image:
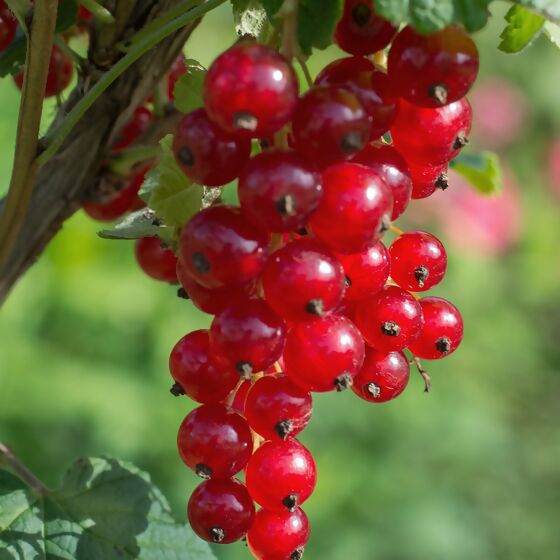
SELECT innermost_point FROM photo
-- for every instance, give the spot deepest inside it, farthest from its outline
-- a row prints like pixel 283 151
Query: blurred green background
pixel 469 471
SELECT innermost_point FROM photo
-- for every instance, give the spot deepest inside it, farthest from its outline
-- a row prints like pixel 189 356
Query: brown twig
pixel 425 376
pixel 25 474
pixel 288 13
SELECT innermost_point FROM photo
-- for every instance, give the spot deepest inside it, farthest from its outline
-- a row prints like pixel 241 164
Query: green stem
pixel 124 162
pixel 26 475
pixel 98 11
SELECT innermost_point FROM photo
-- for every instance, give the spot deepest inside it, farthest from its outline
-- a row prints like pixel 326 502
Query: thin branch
pixel 305 69
pixel 289 13
pixel 26 475
pixel 423 373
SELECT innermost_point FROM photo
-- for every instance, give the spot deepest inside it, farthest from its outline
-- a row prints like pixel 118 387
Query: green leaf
pixel 105 508
pixel 142 223
pixel 188 89
pixel 249 17
pixel 482 170
pixel 522 27
pixel 550 9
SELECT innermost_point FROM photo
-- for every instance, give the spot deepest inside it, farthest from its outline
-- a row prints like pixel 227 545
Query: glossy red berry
pixel 133 129
pixel 156 261
pixel 281 475
pixel 426 179
pixel 249 335
pixel 279 190
pixel 330 125
pixel 435 69
pixel 386 161
pixel 278 535
pixel 418 261
pixel 390 320
pixel 219 248
pixel 276 408
pixel 432 136
pixel 215 441
pixel 355 209
pixel 324 354
pixel 442 331
pixel 250 90
pixel 197 373
pixel 8 27
pixel 221 511
pixel 206 154
pixel 361 31
pixel 383 376
pixel 366 272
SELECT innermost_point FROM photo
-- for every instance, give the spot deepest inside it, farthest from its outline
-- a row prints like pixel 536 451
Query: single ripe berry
pixel 366 272
pixel 442 331
pixel 221 511
pixel 215 441
pixel 303 279
pixel 386 161
pixel 432 136
pixel 250 90
pixel 281 475
pixel 219 248
pixel 276 408
pixel 383 377
pixel 156 261
pixel 324 354
pixel 426 179
pixel 197 373
pixel 418 261
pixel 249 335
pixel 133 129
pixel 355 210
pixel 279 190
pixel 433 70
pixel 206 154
pixel 278 535
pixel 390 320
pixel 361 31
pixel 8 27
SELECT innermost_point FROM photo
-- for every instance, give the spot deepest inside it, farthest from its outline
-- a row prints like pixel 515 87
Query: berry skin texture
pixel 418 261
pixel 8 27
pixel 206 154
pixel 383 377
pixel 279 190
pixel 221 511
pixel 426 179
pixel 355 210
pixel 278 535
pixel 249 335
pixel 302 280
pixel 215 441
pixel 133 129
pixel 324 354
pixel 433 70
pixel 361 31
pixel 250 90
pixel 277 409
pixel 281 475
pixel 389 321
pixel 330 125
pixel 156 261
pixel 219 248
pixel 442 331
pixel 432 136
pixel 201 377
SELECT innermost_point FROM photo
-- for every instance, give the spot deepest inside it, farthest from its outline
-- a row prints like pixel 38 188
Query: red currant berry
pixel 84 14
pixel 8 27
pixel 278 535
pixel 160 263
pixel 390 320
pixel 206 154
pixel 426 179
pixel 215 441
pixel 324 354
pixel 221 511
pixel 433 70
pixel 249 335
pixel 250 90
pixel 219 248
pixel 393 169
pixel 240 397
pixel 361 31
pixel 366 272
pixel 432 136
pixel 418 261
pixel 196 373
pixel 329 125
pixel 383 377
pixel 133 129
pixel 442 331
pixel 355 210
pixel 278 191
pixel 281 475
pixel 276 408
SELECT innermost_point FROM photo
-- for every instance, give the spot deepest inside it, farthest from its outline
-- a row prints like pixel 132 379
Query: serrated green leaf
pixel 522 27
pixel 105 508
pixel 188 89
pixel 550 9
pixel 482 171
pixel 249 17
pixel 142 223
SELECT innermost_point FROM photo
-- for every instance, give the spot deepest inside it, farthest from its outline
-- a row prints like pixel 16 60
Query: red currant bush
pixel 157 261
